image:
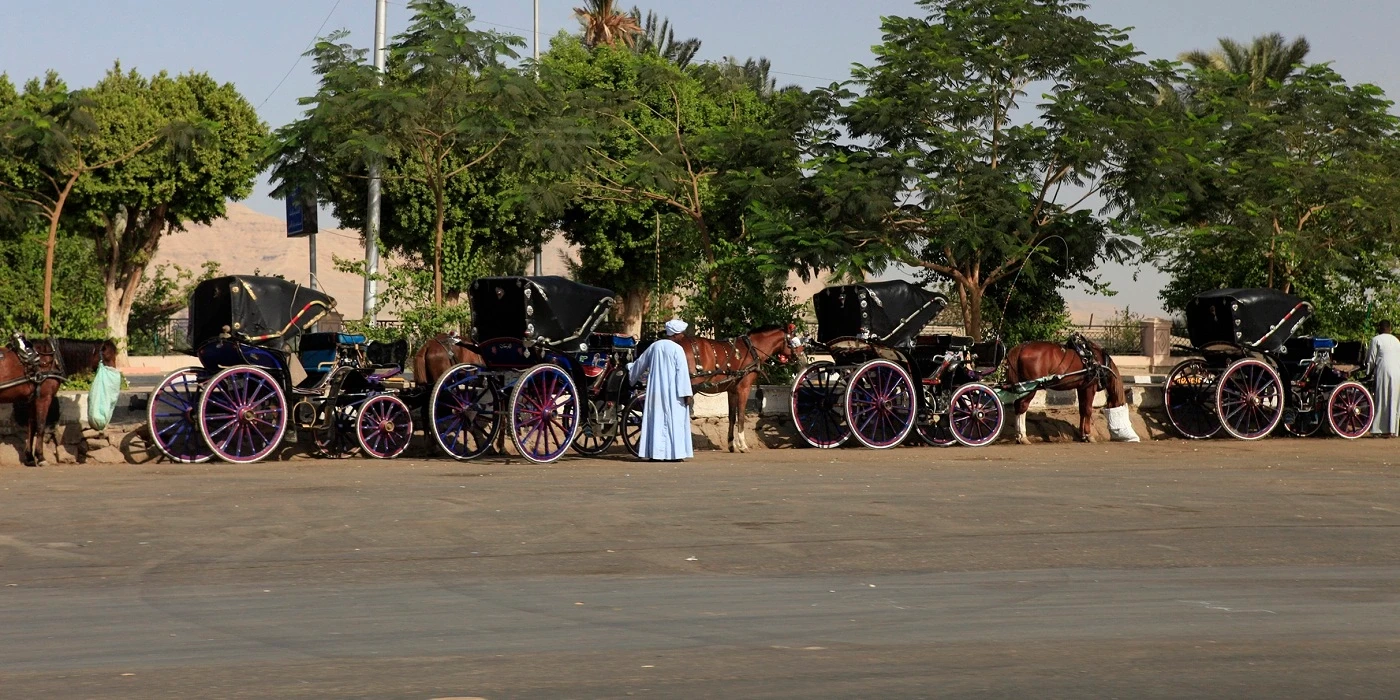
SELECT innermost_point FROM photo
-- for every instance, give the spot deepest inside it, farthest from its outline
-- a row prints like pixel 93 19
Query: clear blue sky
pixel 255 43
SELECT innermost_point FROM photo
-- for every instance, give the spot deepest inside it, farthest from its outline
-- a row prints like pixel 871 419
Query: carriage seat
pixel 318 352
pixel 942 343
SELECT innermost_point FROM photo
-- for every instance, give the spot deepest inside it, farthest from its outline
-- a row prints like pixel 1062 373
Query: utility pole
pixel 372 216
pixel 535 40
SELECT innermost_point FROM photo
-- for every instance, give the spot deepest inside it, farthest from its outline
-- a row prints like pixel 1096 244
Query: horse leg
pixel 38 427
pixel 1023 405
pixel 733 396
pixel 739 397
pixel 1086 412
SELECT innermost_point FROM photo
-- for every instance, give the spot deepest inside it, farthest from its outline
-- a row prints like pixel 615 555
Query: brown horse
pixel 438 355
pixel 31 385
pixel 1039 358
pixel 732 366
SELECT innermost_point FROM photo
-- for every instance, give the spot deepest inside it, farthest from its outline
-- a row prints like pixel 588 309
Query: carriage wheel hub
pixel 386 425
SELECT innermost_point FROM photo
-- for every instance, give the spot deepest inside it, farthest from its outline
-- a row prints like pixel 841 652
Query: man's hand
pixel 689 401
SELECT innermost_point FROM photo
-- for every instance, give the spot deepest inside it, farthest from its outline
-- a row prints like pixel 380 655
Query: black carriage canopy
pixel 266 311
pixel 550 310
pixel 891 313
pixel 1258 319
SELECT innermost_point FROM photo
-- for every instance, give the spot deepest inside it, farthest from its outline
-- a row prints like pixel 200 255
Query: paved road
pixel 1164 570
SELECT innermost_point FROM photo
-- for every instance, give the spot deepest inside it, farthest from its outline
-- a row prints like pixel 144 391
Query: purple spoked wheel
pixel 597 433
pixel 1190 400
pixel 544 413
pixel 818 406
pixel 1249 399
pixel 170 413
pixel 463 413
pixel 243 414
pixel 1350 410
pixel 880 404
pixel 631 427
pixel 336 440
pixel 384 426
pixel 934 426
pixel 975 415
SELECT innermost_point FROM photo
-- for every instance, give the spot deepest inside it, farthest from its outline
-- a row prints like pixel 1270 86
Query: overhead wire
pixel 302 55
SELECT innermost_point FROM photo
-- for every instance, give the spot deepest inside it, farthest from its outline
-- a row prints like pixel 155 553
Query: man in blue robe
pixel 666 414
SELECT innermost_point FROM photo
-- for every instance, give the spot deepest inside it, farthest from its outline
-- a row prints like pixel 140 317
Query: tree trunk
pixel 437 249
pixel 634 310
pixel 973 312
pixel 54 217
pixel 118 318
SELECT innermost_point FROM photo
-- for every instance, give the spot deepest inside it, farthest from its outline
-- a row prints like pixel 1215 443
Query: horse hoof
pixel 1022 440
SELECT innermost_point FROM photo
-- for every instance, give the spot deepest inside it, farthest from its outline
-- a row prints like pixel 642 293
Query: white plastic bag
pixel 102 397
pixel 1120 425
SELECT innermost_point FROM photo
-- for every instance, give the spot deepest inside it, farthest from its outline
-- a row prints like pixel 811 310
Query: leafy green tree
pixel 441 121
pixel 1298 191
pixel 53 141
pixel 693 148
pixel 133 205
pixel 1267 58
pixel 985 185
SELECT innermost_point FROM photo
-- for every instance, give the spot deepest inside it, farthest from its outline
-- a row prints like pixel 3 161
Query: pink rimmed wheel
pixel 975 415
pixel 171 414
pixel 1249 399
pixel 384 426
pixel 818 405
pixel 544 413
pixel 880 404
pixel 1189 397
pixel 1350 410
pixel 464 413
pixel 242 414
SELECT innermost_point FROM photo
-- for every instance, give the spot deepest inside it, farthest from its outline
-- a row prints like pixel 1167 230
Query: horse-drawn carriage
pixel 567 385
pixel 1254 375
pixel 235 404
pixel 870 390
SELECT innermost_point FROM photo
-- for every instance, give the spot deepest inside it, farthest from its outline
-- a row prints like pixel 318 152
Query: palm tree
pixel 603 24
pixel 658 35
pixel 1268 58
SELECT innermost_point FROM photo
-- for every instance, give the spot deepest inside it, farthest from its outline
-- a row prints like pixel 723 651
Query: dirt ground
pixel 1161 569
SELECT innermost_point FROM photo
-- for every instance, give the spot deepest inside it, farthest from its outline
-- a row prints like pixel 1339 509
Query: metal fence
pixel 1116 339
pixel 166 338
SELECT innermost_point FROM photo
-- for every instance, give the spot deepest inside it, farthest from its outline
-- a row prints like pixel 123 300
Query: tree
pixel 1298 190
pixel 130 207
pixel 603 25
pixel 446 107
pixel 658 36
pixel 986 185
pixel 51 137
pixel 692 148
pixel 1267 58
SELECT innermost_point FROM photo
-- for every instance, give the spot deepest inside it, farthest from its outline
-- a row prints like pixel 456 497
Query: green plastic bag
pixel 102 397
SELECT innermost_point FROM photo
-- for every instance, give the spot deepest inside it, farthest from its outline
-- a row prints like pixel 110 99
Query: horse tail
pixel 1117 393
pixel 420 362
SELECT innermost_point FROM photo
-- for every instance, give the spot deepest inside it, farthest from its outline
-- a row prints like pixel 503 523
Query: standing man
pixel 1383 363
pixel 666 415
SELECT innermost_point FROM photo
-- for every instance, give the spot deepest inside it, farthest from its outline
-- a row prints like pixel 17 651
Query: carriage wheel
pixel 818 408
pixel 170 413
pixel 1249 399
pixel 631 427
pixel 933 425
pixel 544 413
pixel 1190 400
pixel 337 439
pixel 384 426
pixel 243 414
pixel 880 404
pixel 464 413
pixel 1350 410
pixel 975 415
pixel 596 435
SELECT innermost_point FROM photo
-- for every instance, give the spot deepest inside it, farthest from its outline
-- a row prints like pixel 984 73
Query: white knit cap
pixel 676 326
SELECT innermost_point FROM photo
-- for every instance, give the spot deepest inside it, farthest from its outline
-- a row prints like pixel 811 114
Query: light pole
pixel 535 40
pixel 372 215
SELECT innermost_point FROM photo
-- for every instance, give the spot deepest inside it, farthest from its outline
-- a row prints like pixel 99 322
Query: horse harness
pixel 731 358
pixel 1099 372
pixel 32 360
